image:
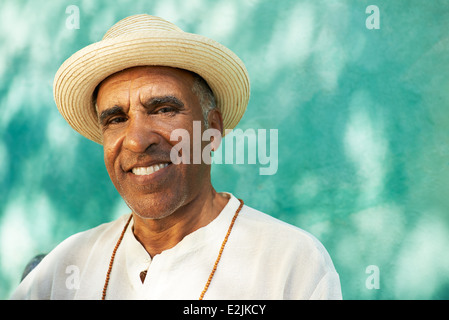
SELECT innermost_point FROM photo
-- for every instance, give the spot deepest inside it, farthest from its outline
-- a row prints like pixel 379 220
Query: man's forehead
pixel 147 77
pixel 146 74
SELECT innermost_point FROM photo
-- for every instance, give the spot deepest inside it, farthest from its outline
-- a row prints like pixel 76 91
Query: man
pixel 183 240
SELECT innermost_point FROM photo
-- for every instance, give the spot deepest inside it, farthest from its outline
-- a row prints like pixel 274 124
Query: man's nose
pixel 139 135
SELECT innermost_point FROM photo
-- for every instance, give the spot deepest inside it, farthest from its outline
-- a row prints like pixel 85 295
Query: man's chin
pixel 154 206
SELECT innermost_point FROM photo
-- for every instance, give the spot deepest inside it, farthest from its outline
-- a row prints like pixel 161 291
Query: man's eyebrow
pixel 109 112
pixel 150 104
pixel 156 101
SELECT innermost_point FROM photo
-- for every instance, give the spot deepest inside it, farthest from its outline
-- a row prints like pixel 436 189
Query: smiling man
pixel 138 110
pixel 182 239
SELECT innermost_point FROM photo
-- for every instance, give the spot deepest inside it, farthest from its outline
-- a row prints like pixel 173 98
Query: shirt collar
pixel 138 259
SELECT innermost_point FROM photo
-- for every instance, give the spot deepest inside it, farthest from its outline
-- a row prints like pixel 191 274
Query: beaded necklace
pixel 206 287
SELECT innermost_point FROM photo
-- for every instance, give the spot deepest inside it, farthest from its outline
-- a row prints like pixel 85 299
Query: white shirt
pixel 264 258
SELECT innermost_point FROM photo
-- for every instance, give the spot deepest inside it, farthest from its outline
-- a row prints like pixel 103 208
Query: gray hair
pixel 205 95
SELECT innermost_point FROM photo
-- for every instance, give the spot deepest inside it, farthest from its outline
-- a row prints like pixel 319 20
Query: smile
pixel 145 171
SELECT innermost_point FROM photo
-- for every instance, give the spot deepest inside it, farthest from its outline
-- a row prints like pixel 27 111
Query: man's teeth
pixel 143 171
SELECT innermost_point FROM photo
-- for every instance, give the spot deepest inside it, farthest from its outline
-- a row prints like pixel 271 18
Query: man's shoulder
pixel 75 249
pixel 282 236
pixel 73 253
pixel 91 236
pixel 275 227
pixel 284 249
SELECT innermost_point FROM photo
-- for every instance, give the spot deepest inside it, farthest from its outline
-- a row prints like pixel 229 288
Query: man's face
pixel 138 109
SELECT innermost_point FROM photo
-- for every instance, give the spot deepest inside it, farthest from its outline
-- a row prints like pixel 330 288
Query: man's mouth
pixel 145 171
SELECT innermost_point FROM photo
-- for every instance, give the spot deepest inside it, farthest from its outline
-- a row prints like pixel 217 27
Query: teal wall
pixel 362 118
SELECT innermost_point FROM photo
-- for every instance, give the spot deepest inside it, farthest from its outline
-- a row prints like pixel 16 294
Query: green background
pixel 362 118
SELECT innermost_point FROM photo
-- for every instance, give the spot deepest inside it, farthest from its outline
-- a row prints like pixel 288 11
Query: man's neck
pixel 157 235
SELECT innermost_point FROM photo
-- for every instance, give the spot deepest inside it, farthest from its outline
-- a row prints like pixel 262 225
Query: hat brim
pixel 78 76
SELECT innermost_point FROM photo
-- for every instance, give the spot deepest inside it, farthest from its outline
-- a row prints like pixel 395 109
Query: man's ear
pixel 215 121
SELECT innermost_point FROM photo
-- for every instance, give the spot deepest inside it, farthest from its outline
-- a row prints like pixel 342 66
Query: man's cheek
pixel 112 170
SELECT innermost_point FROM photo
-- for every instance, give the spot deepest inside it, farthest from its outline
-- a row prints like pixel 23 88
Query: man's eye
pixel 117 120
pixel 166 110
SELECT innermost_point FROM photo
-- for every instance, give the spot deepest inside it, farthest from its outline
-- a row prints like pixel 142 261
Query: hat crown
pixel 140 23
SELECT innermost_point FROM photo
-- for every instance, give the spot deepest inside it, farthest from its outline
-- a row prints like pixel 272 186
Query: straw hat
pixel 143 40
